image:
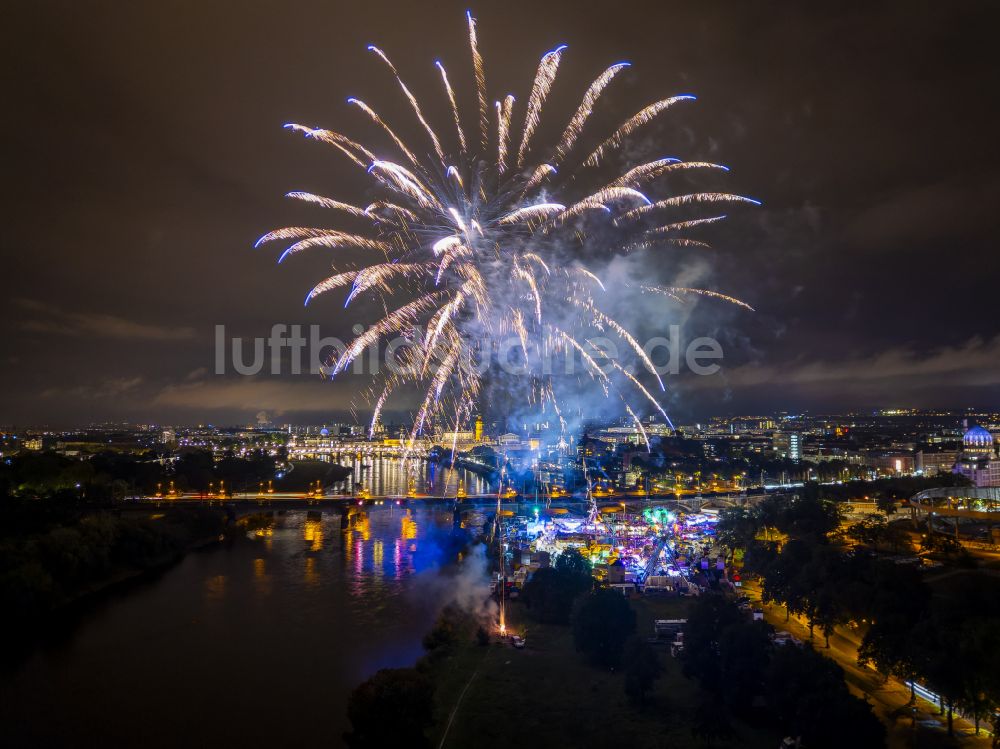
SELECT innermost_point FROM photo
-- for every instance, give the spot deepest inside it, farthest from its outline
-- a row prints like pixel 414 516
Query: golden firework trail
pixel 480 73
pixel 504 112
pixel 652 170
pixel 389 131
pixel 575 125
pixel 676 291
pixel 454 107
pixel 544 79
pixel 685 225
pixel 334 205
pixel 640 118
pixel 462 245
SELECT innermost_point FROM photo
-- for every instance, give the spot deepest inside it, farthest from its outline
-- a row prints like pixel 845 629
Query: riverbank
pixel 122 578
pixel 54 570
pixel 253 642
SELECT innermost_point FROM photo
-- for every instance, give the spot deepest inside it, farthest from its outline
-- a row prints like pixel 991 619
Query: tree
pixel 642 668
pixel 897 599
pixel 759 557
pixel 709 618
pixel 897 536
pixel 819 581
pixel 868 530
pixel 949 546
pixel 958 645
pixel 194 470
pixel 810 518
pixel 393 708
pixel 771 513
pixel 738 527
pixel 878 532
pixel 551 591
pixel 744 653
pixel 571 563
pixel 710 722
pixel 449 628
pixel 886 503
pixel 602 622
pixel 808 697
pixel 782 581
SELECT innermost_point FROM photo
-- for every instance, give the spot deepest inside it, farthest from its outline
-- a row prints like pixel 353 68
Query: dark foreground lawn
pixel 546 695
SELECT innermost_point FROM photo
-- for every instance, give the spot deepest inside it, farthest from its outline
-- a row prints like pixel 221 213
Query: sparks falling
pixel 476 238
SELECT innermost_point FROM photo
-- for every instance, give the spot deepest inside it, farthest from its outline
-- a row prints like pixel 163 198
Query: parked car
pixel 786 638
pixel 516 641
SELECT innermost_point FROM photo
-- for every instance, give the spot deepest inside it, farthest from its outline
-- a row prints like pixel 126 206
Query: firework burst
pixel 484 236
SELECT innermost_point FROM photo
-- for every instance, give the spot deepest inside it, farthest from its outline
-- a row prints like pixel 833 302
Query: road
pixel 889 698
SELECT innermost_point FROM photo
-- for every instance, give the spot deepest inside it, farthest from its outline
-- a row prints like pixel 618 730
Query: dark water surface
pixel 256 642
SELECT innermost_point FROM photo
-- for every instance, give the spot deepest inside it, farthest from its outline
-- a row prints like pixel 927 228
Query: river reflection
pixel 257 642
pixel 384 476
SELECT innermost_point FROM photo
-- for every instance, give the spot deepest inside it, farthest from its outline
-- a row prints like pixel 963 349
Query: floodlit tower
pixel 478 434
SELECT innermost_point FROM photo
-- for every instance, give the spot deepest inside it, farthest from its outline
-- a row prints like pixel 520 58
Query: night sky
pixel 143 154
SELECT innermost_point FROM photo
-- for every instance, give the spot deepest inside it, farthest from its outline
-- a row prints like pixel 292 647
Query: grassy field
pixel 546 695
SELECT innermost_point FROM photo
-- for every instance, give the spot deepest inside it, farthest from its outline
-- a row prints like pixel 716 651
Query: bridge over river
pixel 307 501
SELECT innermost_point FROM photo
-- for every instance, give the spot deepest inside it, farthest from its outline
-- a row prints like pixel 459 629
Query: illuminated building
pixel 509 440
pixel 978 461
pixel 930 463
pixel 462 440
pixel 479 429
pixel 893 463
pixel 978 442
pixel 788 445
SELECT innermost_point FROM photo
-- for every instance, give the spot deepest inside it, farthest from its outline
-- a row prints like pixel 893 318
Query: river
pixel 253 642
pixel 388 476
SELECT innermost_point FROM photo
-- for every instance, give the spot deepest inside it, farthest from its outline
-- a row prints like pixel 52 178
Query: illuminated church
pixel 978 461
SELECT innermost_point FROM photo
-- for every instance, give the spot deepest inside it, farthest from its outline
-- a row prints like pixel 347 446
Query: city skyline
pixel 973 414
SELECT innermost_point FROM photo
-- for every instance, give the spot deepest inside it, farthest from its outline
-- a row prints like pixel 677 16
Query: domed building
pixel 977 441
pixel 978 461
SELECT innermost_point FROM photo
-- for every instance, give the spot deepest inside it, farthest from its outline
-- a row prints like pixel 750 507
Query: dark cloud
pixel 43 318
pixel 219 396
pixel 114 388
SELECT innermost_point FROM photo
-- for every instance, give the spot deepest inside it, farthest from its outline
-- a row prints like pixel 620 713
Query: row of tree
pixel 788 689
pixel 741 672
pixel 111 475
pixel 949 641
pixel 41 571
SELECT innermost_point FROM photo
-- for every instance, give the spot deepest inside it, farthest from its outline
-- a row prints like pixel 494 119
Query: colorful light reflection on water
pixel 259 631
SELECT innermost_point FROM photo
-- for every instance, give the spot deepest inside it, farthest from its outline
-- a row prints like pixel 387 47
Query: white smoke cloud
pixel 466 587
